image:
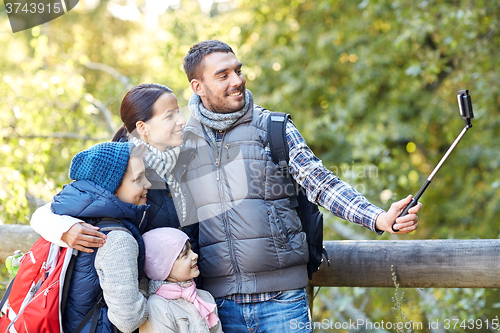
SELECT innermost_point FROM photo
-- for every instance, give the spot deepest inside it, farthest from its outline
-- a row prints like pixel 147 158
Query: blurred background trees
pixel 370 84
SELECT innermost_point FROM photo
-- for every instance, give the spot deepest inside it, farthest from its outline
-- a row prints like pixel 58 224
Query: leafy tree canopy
pixel 371 84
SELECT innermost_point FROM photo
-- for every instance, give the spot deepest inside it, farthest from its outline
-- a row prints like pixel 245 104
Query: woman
pixel 159 127
pixel 150 114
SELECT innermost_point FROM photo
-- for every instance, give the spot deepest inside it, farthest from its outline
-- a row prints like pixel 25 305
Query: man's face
pixel 222 86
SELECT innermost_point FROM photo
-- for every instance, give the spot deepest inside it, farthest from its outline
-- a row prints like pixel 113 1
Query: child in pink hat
pixel 174 304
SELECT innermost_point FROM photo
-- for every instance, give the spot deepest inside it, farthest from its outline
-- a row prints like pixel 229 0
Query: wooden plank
pixel 15 237
pixel 457 263
pixel 310 296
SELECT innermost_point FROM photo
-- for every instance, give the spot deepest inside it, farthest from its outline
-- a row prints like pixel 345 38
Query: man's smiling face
pixel 222 86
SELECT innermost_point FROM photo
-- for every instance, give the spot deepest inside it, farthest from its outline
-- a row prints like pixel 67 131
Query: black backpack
pixel 310 216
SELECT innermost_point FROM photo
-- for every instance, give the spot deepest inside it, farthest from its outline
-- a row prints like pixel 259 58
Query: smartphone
pixel 465 106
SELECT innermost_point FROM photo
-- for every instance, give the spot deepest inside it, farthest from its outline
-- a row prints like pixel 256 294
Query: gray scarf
pixel 163 162
pixel 218 121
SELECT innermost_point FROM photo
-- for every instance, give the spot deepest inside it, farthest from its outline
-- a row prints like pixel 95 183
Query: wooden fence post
pixel 310 296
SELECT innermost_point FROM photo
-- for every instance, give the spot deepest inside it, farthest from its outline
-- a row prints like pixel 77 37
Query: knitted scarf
pixel 163 162
pixel 175 291
pixel 217 121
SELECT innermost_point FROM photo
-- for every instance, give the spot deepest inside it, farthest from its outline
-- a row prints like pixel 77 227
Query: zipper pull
pixel 227 151
pixel 42 271
pixel 142 221
pixel 44 302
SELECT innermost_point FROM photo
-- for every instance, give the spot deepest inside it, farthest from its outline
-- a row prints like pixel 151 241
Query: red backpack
pixel 34 300
pixel 35 294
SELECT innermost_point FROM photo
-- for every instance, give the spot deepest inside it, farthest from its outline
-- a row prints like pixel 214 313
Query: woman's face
pixel 165 128
pixel 134 185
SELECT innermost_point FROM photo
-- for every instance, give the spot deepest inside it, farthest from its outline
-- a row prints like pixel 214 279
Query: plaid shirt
pixel 323 188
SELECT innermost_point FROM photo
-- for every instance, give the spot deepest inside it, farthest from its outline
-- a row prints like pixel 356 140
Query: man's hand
pixel 83 237
pixel 405 224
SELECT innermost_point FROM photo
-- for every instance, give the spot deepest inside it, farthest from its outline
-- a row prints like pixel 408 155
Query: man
pixel 253 253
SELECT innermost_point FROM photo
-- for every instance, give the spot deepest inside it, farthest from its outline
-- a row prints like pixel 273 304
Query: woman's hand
pixel 83 237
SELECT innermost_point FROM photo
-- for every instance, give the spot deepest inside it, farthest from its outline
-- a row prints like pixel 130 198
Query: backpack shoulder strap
pixel 278 144
pixel 310 216
pixel 67 280
pixel 276 134
pixel 7 293
pixel 109 224
pixel 92 314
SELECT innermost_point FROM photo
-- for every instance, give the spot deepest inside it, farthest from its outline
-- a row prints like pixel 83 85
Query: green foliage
pixel 61 87
pixel 402 320
pixel 370 84
pixel 373 79
pixel 4 274
pixel 368 78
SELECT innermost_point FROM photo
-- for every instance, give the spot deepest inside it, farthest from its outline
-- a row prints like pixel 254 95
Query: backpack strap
pixel 67 280
pixel 94 314
pixel 109 224
pixel 278 144
pixel 310 216
pixel 276 134
pixel 7 293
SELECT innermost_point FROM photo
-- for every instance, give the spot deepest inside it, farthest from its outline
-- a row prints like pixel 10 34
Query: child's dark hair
pixel 186 248
pixel 137 105
pixel 194 57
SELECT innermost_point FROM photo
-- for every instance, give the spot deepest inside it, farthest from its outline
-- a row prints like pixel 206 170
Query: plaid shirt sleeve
pixel 324 188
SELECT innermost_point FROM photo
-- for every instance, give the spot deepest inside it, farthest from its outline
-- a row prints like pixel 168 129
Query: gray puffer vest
pixel 250 237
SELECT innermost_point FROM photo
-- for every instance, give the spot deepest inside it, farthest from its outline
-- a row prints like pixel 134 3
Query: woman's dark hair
pixel 137 105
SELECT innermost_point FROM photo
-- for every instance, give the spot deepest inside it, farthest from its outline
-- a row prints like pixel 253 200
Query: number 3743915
pixel 471 324
pixel 33 7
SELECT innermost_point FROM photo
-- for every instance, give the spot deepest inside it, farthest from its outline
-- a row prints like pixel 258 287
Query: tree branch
pixel 105 111
pixel 111 71
pixel 59 135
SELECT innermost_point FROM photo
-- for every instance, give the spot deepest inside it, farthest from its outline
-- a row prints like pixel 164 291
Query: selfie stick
pixel 465 106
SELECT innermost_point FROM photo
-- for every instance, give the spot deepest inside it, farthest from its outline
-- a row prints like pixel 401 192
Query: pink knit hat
pixel 163 246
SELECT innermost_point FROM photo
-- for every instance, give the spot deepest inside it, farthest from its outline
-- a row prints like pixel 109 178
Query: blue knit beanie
pixel 104 164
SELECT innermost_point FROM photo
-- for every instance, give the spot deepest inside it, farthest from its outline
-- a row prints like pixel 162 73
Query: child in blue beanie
pixel 109 182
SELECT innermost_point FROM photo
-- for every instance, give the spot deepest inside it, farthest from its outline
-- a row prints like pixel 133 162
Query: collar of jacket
pixel 194 126
pixel 185 157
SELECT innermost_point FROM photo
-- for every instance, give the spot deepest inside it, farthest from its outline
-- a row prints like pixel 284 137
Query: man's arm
pixel 324 188
pixel 64 230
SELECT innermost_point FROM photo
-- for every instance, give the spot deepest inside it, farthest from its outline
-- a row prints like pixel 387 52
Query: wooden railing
pixel 15 237
pixel 436 263
pixel 457 263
